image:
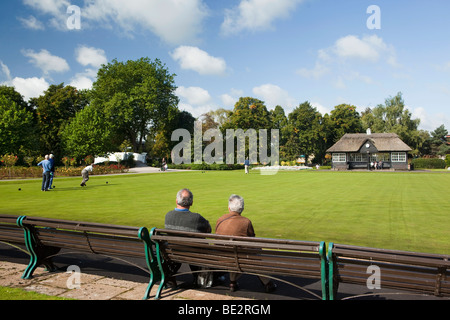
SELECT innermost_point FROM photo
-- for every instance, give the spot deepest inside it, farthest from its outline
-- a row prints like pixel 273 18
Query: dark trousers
pixel 45 180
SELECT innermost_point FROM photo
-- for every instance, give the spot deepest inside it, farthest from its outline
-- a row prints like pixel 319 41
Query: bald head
pixel 185 198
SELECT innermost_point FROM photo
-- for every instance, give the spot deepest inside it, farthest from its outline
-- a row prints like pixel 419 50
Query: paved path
pixel 92 287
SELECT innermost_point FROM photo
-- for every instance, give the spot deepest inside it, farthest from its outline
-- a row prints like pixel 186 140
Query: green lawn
pixel 399 210
pixel 21 295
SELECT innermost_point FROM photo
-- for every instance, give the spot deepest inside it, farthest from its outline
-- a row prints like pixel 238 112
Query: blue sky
pixel 284 52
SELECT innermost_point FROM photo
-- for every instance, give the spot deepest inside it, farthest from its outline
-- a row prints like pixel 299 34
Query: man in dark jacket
pixel 181 218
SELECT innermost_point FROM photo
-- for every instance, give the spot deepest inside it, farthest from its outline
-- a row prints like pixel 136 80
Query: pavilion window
pixel 339 157
pixel 398 157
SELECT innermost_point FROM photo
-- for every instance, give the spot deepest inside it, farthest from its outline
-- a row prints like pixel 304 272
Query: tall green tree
pixel 55 109
pixel 249 113
pixel 280 122
pixel 394 117
pixel 135 97
pixel 17 130
pixel 343 119
pixel 307 131
pixel 87 134
pixel 438 141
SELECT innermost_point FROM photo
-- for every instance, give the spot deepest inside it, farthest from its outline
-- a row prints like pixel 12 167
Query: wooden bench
pixel 256 256
pixel 44 238
pixel 10 232
pixel 401 270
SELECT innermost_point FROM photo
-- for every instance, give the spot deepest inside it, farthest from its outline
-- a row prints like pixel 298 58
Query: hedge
pixel 205 166
pixel 425 163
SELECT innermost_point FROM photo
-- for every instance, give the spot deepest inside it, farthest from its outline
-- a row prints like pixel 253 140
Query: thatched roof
pixel 384 142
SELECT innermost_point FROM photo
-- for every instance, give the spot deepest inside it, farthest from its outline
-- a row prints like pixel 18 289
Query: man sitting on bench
pixel 181 218
pixel 233 224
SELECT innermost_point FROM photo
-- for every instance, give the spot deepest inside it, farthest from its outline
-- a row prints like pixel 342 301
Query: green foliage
pixel 427 163
pixel 135 97
pixel 207 167
pixel 87 134
pixel 306 131
pixel 55 109
pixel 17 134
pixel 393 117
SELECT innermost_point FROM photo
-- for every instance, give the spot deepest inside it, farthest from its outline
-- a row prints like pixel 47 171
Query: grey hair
pixel 236 203
pixel 185 198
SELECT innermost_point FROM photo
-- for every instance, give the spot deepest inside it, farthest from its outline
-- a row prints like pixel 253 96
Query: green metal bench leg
pixel 323 271
pixel 28 237
pixel 331 283
pixel 38 255
pixel 157 270
pixel 152 263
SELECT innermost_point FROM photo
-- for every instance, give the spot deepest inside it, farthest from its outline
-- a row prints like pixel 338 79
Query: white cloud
pixel 429 122
pixel 196 111
pixel 57 9
pixel 193 58
pixel 230 99
pixel 88 56
pixel 256 15
pixel 368 48
pixel 273 95
pixel 46 61
pixel 340 57
pixel 323 110
pixel 5 73
pixel 174 21
pixel 30 87
pixel 317 72
pixel 84 80
pixel 194 95
pixel 53 7
pixel 32 23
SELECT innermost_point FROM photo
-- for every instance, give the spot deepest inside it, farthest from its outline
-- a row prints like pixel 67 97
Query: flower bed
pixel 36 172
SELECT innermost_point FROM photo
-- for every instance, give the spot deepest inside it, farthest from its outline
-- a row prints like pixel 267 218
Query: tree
pixel 280 121
pixel 135 97
pixel 438 141
pixel 249 113
pixel 343 119
pixel 17 130
pixel 307 129
pixel 87 134
pixel 159 144
pixel 393 117
pixel 55 109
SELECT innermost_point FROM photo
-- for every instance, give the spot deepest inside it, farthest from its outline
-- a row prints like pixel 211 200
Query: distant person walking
pixel 85 174
pixel 46 170
pixel 247 165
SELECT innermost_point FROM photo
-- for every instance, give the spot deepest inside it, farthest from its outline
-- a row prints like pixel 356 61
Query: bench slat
pixel 242 254
pixel 418 272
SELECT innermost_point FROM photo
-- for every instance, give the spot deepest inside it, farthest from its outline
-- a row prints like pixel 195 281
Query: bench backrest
pixel 403 270
pixel 10 232
pixel 243 254
pixel 84 236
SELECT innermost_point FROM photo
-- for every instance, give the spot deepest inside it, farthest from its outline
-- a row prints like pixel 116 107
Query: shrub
pixel 203 166
pixel 424 163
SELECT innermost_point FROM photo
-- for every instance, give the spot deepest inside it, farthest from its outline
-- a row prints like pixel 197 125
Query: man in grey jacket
pixel 181 218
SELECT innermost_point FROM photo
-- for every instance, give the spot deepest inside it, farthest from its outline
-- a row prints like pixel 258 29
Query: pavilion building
pixel 370 151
